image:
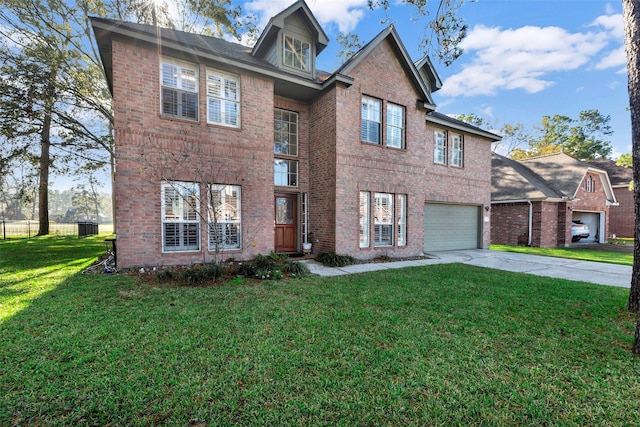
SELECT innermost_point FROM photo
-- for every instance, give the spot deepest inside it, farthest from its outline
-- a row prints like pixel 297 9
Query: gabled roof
pixel 190 46
pixel 429 74
pixel 511 180
pixel 392 36
pixel 276 23
pixel 618 175
pixel 554 176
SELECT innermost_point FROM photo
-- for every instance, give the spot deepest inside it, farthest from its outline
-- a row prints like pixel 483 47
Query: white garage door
pixel 451 227
pixel 593 221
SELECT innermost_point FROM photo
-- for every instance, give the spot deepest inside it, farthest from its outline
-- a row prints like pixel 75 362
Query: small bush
pixel 277 275
pixel 193 276
pixel 265 263
pixel 332 259
pixel 296 269
pixel 279 258
pixel 245 269
pixel 165 276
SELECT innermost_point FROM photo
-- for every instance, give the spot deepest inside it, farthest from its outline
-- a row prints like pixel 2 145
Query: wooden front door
pixel 286 222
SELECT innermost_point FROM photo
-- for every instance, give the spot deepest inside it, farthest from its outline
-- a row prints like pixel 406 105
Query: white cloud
pixel 346 14
pixel 524 58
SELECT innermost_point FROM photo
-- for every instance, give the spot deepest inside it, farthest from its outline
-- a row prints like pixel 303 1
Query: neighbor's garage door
pixel 451 227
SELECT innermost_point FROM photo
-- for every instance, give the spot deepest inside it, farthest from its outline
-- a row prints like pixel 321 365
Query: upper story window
pixel 395 126
pixel 297 53
pixel 179 89
pixel 456 150
pixel 223 98
pixel 285 133
pixel 371 120
pixel 440 147
pixel 589 184
pixel 285 172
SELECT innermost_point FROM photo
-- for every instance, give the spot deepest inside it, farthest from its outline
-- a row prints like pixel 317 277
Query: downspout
pixel 530 222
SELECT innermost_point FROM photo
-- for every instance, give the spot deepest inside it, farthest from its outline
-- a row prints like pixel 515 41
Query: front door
pixel 286 223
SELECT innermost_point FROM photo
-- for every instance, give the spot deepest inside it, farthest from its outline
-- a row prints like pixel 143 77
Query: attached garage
pixel 451 227
pixel 594 221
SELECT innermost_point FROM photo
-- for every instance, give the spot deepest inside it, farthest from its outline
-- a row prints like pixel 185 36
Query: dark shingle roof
pixel 618 175
pixel 560 171
pixel 511 180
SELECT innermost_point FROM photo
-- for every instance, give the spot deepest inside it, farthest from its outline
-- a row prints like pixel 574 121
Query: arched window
pixel 589 184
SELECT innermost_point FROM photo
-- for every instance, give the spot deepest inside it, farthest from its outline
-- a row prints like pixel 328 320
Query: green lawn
pixel 586 255
pixel 438 345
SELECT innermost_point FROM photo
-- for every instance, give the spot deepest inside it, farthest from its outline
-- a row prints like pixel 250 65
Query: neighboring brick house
pixel 224 148
pixel 534 201
pixel 622 217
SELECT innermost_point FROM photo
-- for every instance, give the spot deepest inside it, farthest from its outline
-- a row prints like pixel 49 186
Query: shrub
pixel 165 276
pixel 245 269
pixel 332 259
pixel 296 269
pixel 265 263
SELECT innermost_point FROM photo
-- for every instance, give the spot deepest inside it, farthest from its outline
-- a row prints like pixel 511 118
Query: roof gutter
pixel 462 128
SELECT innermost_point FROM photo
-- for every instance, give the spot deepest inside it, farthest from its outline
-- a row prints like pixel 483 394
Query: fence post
pixel 28 229
pixel 4 230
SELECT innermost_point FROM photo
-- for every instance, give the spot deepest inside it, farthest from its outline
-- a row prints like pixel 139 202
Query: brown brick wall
pixel 333 164
pixel 622 217
pixel 510 224
pixel 150 148
pixel 375 168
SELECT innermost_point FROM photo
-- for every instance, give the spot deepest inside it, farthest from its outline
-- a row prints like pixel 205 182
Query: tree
pixel 584 138
pixel 55 109
pixel 631 16
pixel 350 44
pixel 625 160
pixel 447 27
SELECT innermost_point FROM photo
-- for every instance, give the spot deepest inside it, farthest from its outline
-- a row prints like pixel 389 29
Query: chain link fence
pixel 27 229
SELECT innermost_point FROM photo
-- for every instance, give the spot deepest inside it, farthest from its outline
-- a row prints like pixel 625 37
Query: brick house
pixel 622 217
pixel 534 201
pixel 223 149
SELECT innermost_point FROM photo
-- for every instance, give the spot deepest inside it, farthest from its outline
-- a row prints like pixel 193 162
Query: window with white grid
pixel 225 223
pixel 371 120
pixel 180 217
pixel 395 126
pixel 223 99
pixel 179 89
pixel 297 53
pixel 456 150
pixel 440 147
pixel 383 219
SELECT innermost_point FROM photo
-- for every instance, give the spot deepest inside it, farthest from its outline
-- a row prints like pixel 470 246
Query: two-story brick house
pixel 223 147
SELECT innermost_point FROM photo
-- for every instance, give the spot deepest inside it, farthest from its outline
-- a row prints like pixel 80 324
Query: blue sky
pixel 523 58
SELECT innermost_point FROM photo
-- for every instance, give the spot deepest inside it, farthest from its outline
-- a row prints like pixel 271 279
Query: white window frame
pixel 371 116
pixel 299 57
pixel 383 219
pixel 395 126
pixel 402 219
pixel 285 132
pixel 223 98
pixel 180 207
pixel 589 184
pixel 457 150
pixel 364 228
pixel 440 147
pixel 285 173
pixel 225 217
pixel 182 79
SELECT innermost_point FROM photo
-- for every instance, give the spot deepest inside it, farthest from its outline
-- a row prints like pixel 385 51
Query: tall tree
pixel 584 138
pixel 631 16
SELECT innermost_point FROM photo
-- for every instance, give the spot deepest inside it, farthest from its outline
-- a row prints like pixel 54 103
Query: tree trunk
pixel 631 16
pixel 636 341
pixel 43 188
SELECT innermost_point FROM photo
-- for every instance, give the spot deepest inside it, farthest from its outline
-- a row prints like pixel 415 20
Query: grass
pixel 437 345
pixel 586 255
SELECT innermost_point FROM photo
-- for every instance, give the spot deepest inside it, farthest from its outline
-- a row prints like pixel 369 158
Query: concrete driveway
pixel 584 271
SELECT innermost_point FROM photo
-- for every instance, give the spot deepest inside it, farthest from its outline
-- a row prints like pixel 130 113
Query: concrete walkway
pixel 584 271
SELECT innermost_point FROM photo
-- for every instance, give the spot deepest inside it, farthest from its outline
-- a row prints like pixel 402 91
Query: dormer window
pixel 297 54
